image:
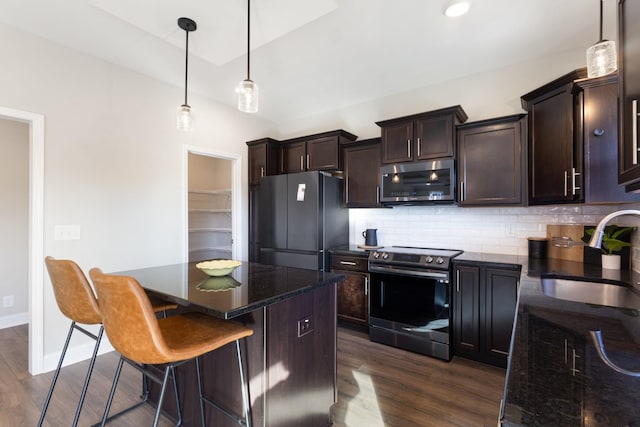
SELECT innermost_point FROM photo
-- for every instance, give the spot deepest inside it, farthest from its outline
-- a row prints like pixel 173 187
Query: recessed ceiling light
pixel 457 8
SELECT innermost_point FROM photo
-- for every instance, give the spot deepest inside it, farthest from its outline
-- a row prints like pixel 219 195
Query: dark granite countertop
pixel 251 286
pixel 555 376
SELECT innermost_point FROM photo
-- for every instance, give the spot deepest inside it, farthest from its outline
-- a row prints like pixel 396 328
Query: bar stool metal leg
pixel 246 420
pixel 85 386
pixel 245 387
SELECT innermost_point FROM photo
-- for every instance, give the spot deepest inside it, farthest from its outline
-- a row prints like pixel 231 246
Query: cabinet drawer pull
pixel 348 263
pixel 634 130
pixel 598 132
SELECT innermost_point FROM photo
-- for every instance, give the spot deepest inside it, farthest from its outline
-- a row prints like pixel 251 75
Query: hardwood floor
pixel 378 386
pixel 382 386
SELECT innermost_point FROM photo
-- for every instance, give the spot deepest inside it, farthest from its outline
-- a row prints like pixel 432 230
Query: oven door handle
pixel 409 271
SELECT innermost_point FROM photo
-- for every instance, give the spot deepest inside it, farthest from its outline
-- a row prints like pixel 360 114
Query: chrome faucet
pixel 598 233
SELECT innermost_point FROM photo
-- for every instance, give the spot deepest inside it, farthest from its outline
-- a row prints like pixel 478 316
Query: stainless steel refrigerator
pixel 301 216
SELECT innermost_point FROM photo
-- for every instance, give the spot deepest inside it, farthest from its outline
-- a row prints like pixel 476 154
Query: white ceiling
pixel 311 56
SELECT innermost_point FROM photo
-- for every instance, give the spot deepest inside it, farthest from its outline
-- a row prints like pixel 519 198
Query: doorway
pixel 211 205
pixel 36 233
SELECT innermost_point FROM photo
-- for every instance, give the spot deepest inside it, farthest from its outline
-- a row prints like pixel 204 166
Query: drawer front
pixel 349 262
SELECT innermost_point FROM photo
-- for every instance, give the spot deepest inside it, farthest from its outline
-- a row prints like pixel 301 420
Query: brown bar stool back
pixel 142 339
pixel 76 300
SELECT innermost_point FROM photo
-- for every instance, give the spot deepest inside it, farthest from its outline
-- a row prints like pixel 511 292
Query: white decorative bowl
pixel 218 267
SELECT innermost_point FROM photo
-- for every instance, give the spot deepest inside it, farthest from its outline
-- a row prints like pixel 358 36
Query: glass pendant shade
pixel 184 119
pixel 602 58
pixel 247 96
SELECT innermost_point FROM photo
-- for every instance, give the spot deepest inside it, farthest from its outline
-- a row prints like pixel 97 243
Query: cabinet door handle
pixel 462 191
pixel 347 263
pixel 366 285
pixel 377 194
pixel 307 161
pixel 261 172
pixel 566 352
pixel 634 130
pixel 566 177
pixel 574 356
pixel 408 148
pixel 573 181
pixel 457 280
pixel 301 163
pixel 418 142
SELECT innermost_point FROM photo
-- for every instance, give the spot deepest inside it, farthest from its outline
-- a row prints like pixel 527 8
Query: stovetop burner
pixel 413 256
pixel 420 251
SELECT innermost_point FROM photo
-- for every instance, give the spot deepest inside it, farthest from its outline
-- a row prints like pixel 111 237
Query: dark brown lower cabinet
pixel 484 299
pixel 353 292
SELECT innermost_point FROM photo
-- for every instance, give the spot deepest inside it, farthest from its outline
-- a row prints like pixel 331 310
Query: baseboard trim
pixel 14 320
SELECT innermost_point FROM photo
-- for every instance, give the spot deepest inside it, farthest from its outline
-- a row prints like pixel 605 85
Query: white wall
pixel 14 226
pixel 485 95
pixel 113 159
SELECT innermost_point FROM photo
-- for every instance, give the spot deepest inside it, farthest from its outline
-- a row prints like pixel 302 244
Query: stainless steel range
pixel 410 297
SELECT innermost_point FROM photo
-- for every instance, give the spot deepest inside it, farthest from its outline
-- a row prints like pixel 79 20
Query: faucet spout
pixel 598 233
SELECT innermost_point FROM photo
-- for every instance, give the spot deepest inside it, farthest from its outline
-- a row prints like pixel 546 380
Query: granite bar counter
pixel 555 376
pixel 291 357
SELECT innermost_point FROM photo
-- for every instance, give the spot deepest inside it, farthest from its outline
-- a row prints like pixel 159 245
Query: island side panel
pixel 301 359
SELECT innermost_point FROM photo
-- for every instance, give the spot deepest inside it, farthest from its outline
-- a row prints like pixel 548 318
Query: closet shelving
pixel 209 224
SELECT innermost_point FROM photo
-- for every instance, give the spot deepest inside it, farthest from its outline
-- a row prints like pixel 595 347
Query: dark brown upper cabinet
pixel 263 159
pixel 598 114
pixel 629 92
pixel 555 156
pixel 490 161
pixel 361 160
pixel 314 152
pixel 421 136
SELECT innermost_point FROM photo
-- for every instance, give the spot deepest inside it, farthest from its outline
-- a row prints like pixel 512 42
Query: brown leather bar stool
pixel 142 339
pixel 76 300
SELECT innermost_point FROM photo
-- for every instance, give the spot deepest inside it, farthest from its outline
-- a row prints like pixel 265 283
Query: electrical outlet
pixel 305 326
pixel 66 232
pixel 7 301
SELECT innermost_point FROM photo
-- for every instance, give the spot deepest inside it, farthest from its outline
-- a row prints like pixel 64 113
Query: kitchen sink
pixel 591 292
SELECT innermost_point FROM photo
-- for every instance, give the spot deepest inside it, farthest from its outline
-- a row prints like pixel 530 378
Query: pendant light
pixel 247 90
pixel 185 121
pixel 601 57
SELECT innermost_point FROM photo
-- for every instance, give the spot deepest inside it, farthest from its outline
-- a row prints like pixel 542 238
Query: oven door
pixel 411 312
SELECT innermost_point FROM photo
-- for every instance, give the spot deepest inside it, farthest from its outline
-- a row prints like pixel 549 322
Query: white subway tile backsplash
pixel 494 230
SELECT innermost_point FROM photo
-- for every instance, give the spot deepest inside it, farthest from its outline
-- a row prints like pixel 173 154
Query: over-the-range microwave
pixel 431 181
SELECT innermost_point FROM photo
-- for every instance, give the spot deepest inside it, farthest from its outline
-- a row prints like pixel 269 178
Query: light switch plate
pixel 66 232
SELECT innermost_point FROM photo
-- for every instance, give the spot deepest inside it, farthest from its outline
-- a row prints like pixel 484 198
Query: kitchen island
pixel 291 357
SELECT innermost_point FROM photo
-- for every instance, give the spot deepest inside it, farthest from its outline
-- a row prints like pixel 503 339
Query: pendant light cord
pixel 186 68
pixel 601 1
pixel 248 39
